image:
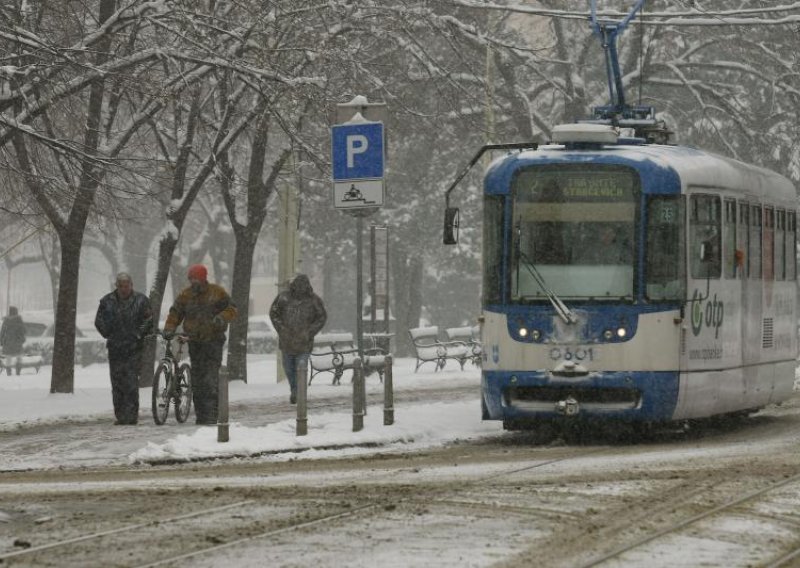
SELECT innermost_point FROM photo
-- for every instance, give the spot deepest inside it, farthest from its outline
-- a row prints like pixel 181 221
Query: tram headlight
pixel 523 332
pixel 536 335
pixel 608 335
pixel 622 332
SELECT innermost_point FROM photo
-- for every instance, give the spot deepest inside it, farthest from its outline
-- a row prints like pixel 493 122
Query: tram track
pixel 547 500
pixel 157 532
pixel 692 520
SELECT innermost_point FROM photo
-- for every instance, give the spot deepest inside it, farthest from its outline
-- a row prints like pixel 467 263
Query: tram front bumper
pixel 644 396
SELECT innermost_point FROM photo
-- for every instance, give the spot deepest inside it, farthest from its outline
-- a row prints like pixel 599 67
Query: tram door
pixel 749 244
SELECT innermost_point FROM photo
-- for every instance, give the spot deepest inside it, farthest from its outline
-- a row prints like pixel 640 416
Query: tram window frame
pixel 780 244
pixel 755 242
pixel 729 238
pixel 743 236
pixel 705 236
pixel 791 245
pixel 768 243
pixel 493 248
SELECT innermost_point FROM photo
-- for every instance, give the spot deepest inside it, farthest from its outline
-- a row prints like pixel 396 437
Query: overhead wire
pixel 739 17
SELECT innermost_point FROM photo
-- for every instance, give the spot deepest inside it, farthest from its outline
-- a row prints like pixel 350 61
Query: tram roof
pixel 663 169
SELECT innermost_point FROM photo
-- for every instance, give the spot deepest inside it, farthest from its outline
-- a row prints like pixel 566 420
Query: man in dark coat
pixel 205 310
pixel 12 336
pixel 124 317
pixel 298 314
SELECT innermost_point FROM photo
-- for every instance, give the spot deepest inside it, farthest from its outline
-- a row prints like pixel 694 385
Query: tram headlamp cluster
pixel 534 334
pixel 620 332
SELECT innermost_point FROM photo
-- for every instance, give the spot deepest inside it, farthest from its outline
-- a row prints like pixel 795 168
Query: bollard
pixel 358 395
pixel 388 394
pixel 302 391
pixel 223 433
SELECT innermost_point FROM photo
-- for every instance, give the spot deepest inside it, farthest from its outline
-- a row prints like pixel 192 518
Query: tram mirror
pixel 451 221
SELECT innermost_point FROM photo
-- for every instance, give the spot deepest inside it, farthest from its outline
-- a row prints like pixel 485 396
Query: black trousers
pixel 206 358
pixel 125 386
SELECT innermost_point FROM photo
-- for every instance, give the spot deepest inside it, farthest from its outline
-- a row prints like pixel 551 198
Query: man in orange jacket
pixel 205 311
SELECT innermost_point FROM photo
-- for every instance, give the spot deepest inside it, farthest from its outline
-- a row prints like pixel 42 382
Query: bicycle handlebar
pixel 179 336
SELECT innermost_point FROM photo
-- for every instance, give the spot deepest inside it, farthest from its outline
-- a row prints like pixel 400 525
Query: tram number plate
pixel 572 353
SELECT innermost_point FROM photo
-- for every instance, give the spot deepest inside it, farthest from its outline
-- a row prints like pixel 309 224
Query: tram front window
pixel 575 227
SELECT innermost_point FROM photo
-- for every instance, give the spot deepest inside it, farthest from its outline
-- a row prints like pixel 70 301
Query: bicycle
pixel 172 383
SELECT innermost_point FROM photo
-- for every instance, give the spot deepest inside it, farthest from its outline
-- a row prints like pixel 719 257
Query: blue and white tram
pixel 635 282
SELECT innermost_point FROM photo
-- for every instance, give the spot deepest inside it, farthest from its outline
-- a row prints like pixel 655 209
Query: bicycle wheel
pixel 183 393
pixel 161 394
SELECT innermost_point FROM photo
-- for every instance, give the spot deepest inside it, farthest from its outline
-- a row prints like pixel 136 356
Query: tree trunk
pixel 240 294
pixel 166 248
pixel 63 374
pixel 406 294
pixel 71 232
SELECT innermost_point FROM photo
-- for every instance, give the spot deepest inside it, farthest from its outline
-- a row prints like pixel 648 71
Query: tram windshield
pixel 576 226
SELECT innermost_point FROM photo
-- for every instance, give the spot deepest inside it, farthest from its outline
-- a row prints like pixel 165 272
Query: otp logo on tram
pixel 713 314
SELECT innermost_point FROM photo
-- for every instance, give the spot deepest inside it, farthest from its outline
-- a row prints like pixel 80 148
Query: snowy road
pixel 722 494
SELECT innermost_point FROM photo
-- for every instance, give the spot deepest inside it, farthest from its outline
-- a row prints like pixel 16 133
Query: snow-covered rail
pixel 728 508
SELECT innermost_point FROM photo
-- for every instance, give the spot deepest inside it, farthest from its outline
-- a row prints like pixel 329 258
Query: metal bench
pixel 336 352
pixel 19 362
pixel 470 336
pixel 429 349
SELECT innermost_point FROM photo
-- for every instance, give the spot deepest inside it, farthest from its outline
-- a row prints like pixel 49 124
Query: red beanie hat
pixel 198 272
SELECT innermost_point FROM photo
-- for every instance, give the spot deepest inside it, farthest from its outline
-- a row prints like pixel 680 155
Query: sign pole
pixel 359 286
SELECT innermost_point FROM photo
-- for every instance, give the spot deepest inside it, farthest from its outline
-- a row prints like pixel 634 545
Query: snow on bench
pixel 470 336
pixel 19 362
pixel 336 352
pixel 429 349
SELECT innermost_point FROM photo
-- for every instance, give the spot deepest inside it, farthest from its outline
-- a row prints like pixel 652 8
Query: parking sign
pixel 357 156
pixel 357 151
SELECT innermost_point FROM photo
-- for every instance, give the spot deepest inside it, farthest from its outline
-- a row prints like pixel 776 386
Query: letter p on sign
pixel 356 144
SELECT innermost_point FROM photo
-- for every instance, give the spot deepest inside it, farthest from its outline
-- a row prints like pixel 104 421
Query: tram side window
pixel 754 252
pixel 492 249
pixel 780 245
pixel 769 244
pixel 729 250
pixel 791 245
pixel 705 237
pixel 743 239
pixel 665 265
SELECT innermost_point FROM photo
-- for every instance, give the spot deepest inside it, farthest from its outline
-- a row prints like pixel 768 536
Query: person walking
pixel 298 314
pixel 123 318
pixel 205 310
pixel 12 337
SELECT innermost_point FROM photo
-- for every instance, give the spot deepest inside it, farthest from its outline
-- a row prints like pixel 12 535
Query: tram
pixel 626 278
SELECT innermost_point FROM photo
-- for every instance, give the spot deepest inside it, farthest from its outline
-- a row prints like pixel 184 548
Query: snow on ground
pixel 25 400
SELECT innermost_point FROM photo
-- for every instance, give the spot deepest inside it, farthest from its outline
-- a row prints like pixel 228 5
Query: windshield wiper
pixel 560 307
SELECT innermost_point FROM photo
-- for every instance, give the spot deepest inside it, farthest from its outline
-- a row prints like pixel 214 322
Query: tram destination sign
pixel 357 152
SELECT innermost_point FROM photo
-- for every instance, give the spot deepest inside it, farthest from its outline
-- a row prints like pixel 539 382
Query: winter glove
pixel 144 329
pixel 218 320
pixel 168 335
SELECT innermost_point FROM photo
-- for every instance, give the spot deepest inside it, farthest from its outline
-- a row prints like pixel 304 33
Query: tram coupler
pixel 568 407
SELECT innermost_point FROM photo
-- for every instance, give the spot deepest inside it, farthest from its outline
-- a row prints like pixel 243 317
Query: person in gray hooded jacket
pixel 12 337
pixel 298 314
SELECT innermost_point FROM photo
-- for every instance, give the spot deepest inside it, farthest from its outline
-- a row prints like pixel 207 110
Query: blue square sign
pixel 357 151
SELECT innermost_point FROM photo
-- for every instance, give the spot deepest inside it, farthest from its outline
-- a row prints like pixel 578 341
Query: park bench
pixel 336 352
pixel 470 336
pixel 19 362
pixel 429 349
